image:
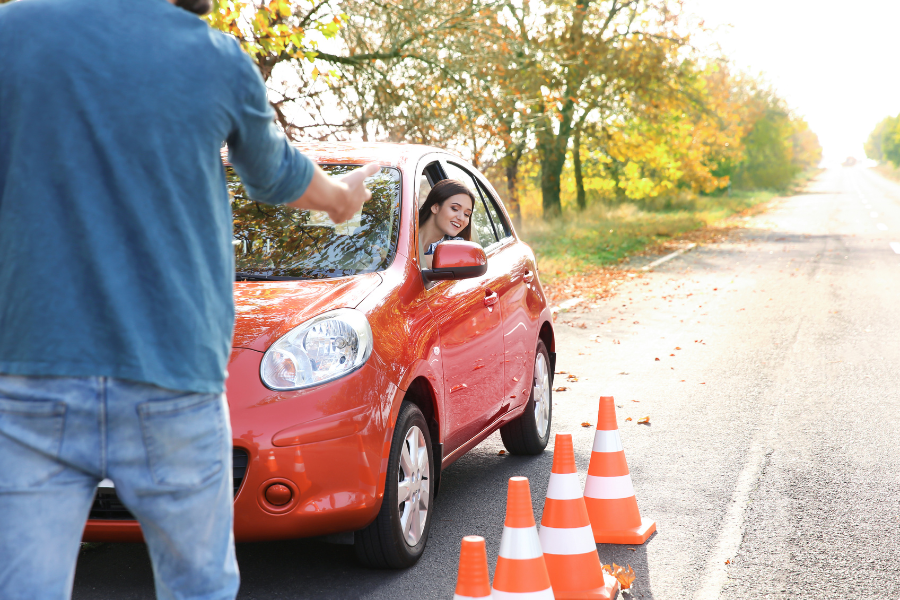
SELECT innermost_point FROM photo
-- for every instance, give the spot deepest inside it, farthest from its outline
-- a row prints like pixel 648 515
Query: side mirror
pixel 456 259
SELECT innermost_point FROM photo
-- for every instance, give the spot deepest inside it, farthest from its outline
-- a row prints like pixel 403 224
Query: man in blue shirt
pixel 116 275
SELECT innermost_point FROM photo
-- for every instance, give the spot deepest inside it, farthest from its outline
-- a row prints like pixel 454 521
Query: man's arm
pixel 340 197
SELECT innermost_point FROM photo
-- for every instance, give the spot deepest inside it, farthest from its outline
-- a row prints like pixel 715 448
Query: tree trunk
pixel 552 149
pixel 512 189
pixel 579 180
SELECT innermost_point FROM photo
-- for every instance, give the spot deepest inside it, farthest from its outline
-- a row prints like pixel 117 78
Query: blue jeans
pixel 169 455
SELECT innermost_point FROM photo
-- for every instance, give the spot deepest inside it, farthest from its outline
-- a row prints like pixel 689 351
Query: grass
pixel 604 234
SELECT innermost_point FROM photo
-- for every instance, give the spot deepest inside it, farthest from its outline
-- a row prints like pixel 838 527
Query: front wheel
pixel 530 432
pixel 396 538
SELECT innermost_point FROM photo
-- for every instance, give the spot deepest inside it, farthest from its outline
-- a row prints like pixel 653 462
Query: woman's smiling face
pixel 453 215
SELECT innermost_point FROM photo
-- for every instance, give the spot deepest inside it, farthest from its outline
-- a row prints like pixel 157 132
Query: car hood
pixel 264 311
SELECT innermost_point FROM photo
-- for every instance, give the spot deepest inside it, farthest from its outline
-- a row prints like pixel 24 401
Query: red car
pixel 357 375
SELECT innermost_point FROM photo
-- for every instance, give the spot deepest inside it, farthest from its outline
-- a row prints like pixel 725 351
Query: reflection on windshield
pixel 274 241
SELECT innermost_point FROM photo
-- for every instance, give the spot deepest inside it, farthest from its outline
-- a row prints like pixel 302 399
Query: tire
pixel 396 539
pixel 529 433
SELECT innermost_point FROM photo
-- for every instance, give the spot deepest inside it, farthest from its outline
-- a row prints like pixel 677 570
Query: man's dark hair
pixel 198 7
pixel 442 190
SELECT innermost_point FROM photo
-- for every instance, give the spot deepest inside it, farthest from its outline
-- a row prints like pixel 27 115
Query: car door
pixel 471 330
pixel 520 303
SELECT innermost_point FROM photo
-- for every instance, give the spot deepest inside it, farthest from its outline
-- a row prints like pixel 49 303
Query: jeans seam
pixel 103 441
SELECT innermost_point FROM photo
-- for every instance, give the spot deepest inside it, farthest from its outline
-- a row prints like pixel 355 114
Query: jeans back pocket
pixel 31 433
pixel 185 439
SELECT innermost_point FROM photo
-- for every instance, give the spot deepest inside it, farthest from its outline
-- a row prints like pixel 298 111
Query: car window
pixel 424 188
pixel 500 224
pixel 278 241
pixel 430 175
pixel 482 228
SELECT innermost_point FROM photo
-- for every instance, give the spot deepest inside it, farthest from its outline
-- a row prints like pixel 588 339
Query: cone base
pixel 609 591
pixel 638 535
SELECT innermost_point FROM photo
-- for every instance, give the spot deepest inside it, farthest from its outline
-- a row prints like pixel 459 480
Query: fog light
pixel 278 494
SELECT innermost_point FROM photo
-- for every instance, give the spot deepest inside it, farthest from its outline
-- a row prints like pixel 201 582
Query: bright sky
pixel 835 63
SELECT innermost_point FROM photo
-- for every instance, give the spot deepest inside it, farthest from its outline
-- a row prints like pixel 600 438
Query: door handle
pixel 528 277
pixel 491 299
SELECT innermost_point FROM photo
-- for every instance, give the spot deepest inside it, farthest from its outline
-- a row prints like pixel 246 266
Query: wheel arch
pixel 547 336
pixel 422 394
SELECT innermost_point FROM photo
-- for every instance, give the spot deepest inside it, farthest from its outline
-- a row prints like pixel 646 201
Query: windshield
pixel 285 243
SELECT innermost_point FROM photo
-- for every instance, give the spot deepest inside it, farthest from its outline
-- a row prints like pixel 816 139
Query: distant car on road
pixel 356 375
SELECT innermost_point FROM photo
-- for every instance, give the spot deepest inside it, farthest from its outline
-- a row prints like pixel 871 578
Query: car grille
pixel 108 507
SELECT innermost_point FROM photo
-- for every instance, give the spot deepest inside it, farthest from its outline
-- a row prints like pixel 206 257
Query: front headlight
pixel 322 349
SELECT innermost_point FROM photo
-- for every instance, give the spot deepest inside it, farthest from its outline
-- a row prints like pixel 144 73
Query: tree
pixel 599 56
pixel 883 143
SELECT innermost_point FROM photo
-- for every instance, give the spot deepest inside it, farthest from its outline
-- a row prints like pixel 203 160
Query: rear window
pixel 285 243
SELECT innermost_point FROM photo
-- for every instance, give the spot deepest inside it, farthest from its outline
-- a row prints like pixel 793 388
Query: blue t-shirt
pixel 116 254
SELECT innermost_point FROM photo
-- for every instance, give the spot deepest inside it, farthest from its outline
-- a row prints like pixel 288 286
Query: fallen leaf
pixel 585 424
pixel 702 383
pixel 628 419
pixel 655 359
pixel 501 453
pixel 728 562
pixel 633 549
pixel 635 400
pixel 678 347
pixel 625 577
pixel 561 389
pixel 561 373
pixel 644 420
pixel 671 355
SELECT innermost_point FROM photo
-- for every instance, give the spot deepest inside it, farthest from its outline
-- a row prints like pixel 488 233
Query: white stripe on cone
pixel 608 488
pixel 520 543
pixel 564 486
pixel 543 595
pixel 607 441
pixel 458 597
pixel 572 540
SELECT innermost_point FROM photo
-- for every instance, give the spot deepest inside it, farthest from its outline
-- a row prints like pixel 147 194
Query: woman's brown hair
pixel 442 190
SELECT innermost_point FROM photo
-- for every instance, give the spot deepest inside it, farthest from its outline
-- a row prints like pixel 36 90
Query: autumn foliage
pixel 584 101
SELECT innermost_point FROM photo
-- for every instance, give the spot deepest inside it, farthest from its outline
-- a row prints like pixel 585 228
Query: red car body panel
pixel 470 344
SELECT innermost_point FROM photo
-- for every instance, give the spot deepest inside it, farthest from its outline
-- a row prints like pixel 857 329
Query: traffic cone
pixel 521 572
pixel 566 537
pixel 472 580
pixel 608 492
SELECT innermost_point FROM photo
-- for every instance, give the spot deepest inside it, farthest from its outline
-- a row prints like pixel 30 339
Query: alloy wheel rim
pixel 541 394
pixel 414 486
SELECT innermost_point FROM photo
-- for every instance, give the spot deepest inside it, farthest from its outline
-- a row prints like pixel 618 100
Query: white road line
pixel 667 257
pixel 895 246
pixel 715 575
pixel 566 305
pixel 882 226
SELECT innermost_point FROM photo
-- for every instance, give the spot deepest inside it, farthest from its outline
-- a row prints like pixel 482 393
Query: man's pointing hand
pixel 340 197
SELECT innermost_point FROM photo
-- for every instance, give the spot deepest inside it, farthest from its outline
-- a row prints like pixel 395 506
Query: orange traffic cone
pixel 608 492
pixel 472 580
pixel 566 538
pixel 521 572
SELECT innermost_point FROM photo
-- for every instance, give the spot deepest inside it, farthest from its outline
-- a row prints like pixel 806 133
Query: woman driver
pixel 445 215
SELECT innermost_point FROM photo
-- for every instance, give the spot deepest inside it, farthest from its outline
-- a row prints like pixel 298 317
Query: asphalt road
pixel 771 463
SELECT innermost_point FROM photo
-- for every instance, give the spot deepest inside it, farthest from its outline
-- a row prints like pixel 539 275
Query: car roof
pixel 385 153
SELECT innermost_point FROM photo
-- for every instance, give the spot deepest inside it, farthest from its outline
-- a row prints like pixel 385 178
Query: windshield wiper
pixel 238 276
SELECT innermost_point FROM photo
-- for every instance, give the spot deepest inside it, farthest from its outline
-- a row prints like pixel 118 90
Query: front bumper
pixel 328 445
